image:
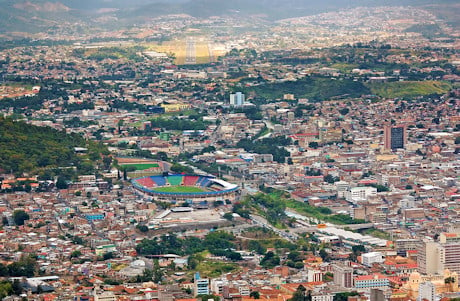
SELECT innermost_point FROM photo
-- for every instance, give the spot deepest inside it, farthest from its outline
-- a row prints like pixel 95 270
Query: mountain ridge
pixel 38 15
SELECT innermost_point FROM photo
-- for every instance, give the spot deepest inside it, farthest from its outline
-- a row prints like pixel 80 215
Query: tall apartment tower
pixel 343 275
pixel 237 99
pixel 394 137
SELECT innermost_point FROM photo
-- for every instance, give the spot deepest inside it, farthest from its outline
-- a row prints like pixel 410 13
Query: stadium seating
pixel 175 180
pixel 159 180
pixel 146 182
pixel 190 180
pixel 204 181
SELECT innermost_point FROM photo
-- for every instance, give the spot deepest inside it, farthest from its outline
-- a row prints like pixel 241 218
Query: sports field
pixel 142 166
pixel 179 189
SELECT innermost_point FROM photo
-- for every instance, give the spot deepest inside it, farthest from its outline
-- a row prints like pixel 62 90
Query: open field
pixel 179 189
pixel 141 166
pixel 15 90
pixel 213 268
pixel 409 88
pixel 179 49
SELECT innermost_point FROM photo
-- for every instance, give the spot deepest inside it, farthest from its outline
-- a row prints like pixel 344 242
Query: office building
pixel 394 137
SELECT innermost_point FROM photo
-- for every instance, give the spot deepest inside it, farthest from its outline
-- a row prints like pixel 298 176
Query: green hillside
pixel 316 89
pixel 34 149
pixel 409 88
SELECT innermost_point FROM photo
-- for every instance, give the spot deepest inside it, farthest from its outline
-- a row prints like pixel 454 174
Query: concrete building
pixel 435 257
pixel 427 291
pixel 428 257
pixel 320 296
pixel 201 285
pixel 368 259
pixel 356 194
pixel 237 99
pixel 377 295
pixel 394 137
pixel 343 275
pixel 368 282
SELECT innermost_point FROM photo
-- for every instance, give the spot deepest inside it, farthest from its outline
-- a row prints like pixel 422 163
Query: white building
pixel 237 99
pixel 427 291
pixel 368 259
pixel 320 296
pixel 356 194
pixel 342 188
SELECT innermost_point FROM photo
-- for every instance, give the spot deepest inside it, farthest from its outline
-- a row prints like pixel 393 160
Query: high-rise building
pixel 394 137
pixel 237 99
pixel 428 257
pixel 435 257
pixel 343 275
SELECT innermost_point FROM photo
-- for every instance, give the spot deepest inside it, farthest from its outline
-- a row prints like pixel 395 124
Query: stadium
pixel 189 188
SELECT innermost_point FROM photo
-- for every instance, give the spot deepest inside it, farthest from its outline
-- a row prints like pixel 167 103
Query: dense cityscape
pixel 231 158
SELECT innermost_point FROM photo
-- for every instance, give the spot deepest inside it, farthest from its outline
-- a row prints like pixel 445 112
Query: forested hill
pixel 29 148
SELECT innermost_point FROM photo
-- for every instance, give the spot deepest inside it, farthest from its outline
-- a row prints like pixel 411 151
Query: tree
pixel 254 294
pixel 19 216
pixel 344 111
pixel 313 144
pixel 324 255
pixel 17 287
pixel 107 256
pixel 301 294
pixel 207 297
pixel 61 183
pixel 75 254
pixel 142 228
pixel 228 216
pixel 270 260
pixel 344 296
pixel 162 156
pixel 178 168
pixel 157 272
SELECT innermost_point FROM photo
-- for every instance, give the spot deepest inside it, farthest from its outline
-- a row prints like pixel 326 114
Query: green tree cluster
pixel 272 146
pixel 27 148
pixel 218 243
pixel 26 267
pixel 270 260
pixel 20 216
pixel 177 124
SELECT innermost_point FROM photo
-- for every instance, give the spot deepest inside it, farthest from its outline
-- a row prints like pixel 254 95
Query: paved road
pixel 258 220
pixel 190 51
